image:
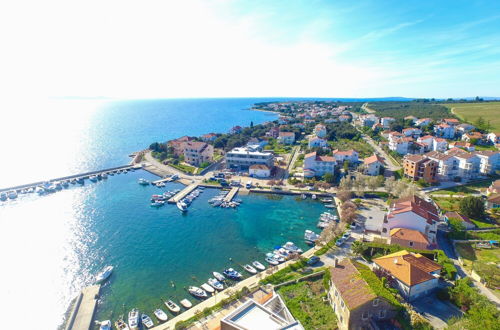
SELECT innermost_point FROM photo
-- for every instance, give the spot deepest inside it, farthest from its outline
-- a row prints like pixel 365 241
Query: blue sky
pixel 198 48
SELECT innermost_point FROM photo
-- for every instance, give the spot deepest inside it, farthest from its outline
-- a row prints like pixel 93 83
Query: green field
pixel 470 112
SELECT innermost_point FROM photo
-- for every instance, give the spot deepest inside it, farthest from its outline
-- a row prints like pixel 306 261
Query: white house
pixel 244 157
pixel 427 140
pixel 315 165
pixel 422 122
pixel 445 131
pixel 400 145
pixel 259 171
pixel 465 128
pixel 412 213
pixel 493 137
pixel 386 121
pixel 320 130
pixel 412 131
pixel 439 144
pixel 416 276
pixel 286 137
pixel 373 165
pixel 316 142
pixel 489 161
pixel 465 221
pixel 350 155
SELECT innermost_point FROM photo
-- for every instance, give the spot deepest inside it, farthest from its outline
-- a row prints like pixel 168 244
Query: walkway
pixel 229 197
pixel 183 193
pixel 85 308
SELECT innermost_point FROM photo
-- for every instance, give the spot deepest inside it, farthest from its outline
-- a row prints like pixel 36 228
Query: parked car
pixel 339 242
pixel 313 260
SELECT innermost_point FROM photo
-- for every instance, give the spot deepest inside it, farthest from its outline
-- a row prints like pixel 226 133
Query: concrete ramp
pixel 82 315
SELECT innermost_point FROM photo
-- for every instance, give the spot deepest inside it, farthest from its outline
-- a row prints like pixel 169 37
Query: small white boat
pixel 104 175
pixel 186 303
pixel 160 315
pixel 310 236
pixel 314 196
pixel 143 182
pixel 207 288
pixel 146 321
pixel 219 276
pixel 182 206
pixel 105 325
pixel 12 194
pixel 121 325
pixel 250 269
pixel 232 274
pixel 326 200
pixel 197 292
pixel 216 284
pixel 133 319
pixel 303 196
pixel 157 203
pixel 272 261
pixel 292 247
pixel 93 178
pixel 329 206
pixel 104 274
pixel 39 190
pixel 173 307
pixel 258 265
pixel 3 196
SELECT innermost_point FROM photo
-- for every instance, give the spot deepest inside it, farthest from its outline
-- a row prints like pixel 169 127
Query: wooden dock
pixel 82 315
pixel 183 193
pixel 229 197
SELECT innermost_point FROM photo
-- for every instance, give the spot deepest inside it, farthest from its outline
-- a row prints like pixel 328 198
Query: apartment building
pixel 352 156
pixel 196 153
pixel 320 130
pixel 242 158
pixel 314 141
pixel 418 167
pixel 315 165
pixel 286 137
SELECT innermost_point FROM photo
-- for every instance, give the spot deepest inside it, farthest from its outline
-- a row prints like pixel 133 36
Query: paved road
pixel 388 161
pixel 437 312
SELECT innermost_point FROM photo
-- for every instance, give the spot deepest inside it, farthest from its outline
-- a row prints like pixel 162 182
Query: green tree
pixel 329 177
pixel 472 207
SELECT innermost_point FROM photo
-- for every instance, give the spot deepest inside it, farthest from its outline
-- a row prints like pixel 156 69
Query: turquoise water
pixel 52 246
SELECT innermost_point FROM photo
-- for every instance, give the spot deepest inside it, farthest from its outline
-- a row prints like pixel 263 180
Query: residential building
pixel 299 125
pixel 268 313
pixel 412 118
pixel 415 275
pixel 418 167
pixel 331 120
pixel 422 122
pixel 462 145
pixel 472 136
pixel 412 131
pixel 235 130
pixel 412 213
pixel 355 303
pixel 349 155
pixel 178 144
pixel 257 144
pixel 386 121
pixel 210 137
pixel 196 153
pixel 242 158
pixel 316 142
pixel 373 165
pixel 451 121
pixel 445 131
pixel 427 140
pixel 465 221
pixel 344 118
pixel 493 201
pixel 403 145
pixel 259 171
pixel 493 137
pixel 367 120
pixel 286 137
pixel 274 132
pixel 465 128
pixel 409 238
pixel 320 130
pixel 315 165
pixel 489 161
pixel 494 188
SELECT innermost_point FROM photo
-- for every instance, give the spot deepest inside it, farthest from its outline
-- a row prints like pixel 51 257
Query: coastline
pixel 269 111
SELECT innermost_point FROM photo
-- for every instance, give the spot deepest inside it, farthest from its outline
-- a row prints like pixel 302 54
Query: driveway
pixel 437 312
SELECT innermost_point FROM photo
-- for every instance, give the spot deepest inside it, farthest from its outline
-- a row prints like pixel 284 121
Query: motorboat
pixel 275 256
pixel 250 269
pixel 143 182
pixel 72 181
pixel 272 261
pixel 314 196
pixel 207 287
pixel 258 265
pixel 65 184
pixel 3 196
pixel 216 284
pixel 232 274
pixel 133 319
pixel 157 203
pixel 104 274
pixel 146 321
pixel 310 236
pixel 160 315
pixel 93 178
pixel 219 276
pixel 290 246
pixel 186 303
pixel 121 325
pixel 39 190
pixel 174 177
pixel 12 194
pixel 104 175
pixel 329 206
pixel 326 200
pixel 303 196
pixel 173 307
pixel 182 206
pixel 80 180
pixel 105 325
pixel 197 292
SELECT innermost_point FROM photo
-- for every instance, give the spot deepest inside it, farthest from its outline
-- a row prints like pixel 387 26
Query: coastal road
pixel 387 159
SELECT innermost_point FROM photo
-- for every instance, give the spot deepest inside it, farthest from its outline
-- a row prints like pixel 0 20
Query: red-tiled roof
pixel 416 205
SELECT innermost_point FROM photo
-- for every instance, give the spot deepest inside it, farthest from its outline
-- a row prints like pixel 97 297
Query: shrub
pixel 471 206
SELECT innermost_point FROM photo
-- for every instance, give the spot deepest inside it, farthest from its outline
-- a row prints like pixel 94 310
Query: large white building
pixel 315 165
pixel 244 157
pixel 316 142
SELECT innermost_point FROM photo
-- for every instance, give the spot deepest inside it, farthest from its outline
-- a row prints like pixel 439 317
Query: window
pixel 385 229
pixel 381 314
pixel 364 316
pixel 411 243
pixel 376 301
pixel 336 293
pixel 342 304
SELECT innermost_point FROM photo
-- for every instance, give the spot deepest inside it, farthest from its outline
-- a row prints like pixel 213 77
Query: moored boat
pixel 105 325
pixel 250 269
pixel 310 237
pixel 314 196
pixel 186 303
pixel 303 196
pixel 272 261
pixel 219 276
pixel 104 274
pixel 133 319
pixel 197 292
pixel 290 246
pixel 258 265
pixel 12 194
pixel 3 196
pixel 173 307
pixel 207 287
pixel 215 284
pixel 121 325
pixel 146 321
pixel 182 206
pixel 93 178
pixel 143 182
pixel 160 315
pixel 232 274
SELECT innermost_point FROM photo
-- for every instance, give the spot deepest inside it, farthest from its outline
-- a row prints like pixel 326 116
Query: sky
pixel 224 48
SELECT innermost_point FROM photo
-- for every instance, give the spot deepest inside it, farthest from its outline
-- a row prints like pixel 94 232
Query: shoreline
pixel 262 110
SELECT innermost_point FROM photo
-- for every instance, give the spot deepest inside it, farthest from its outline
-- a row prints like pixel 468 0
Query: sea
pixel 52 246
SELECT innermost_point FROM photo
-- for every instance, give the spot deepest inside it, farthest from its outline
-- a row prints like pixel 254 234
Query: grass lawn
pixel 305 302
pixel 184 168
pixel 363 148
pixel 470 188
pixel 447 204
pixel 483 224
pixel 484 262
pixel 470 112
